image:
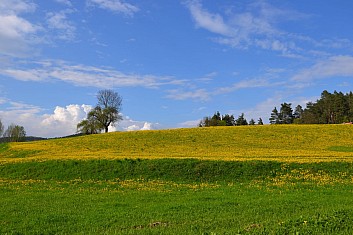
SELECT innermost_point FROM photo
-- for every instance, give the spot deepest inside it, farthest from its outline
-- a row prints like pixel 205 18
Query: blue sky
pixel 173 62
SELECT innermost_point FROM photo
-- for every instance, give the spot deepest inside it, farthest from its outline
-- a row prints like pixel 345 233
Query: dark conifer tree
pixel 241 121
pixel 275 118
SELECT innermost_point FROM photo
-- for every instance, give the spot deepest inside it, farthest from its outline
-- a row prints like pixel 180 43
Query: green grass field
pixel 235 180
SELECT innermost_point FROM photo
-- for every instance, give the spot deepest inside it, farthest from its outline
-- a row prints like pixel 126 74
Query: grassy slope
pixel 146 183
pixel 294 143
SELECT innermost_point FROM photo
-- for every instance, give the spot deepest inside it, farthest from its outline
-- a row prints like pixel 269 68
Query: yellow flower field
pixel 286 143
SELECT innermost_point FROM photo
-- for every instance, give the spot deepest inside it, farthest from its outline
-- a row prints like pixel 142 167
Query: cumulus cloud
pixel 114 6
pixel 67 116
pixel 147 126
pixel 128 124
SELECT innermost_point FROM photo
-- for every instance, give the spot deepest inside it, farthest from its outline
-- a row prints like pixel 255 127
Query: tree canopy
pixel 226 120
pixel 331 108
pixel 15 133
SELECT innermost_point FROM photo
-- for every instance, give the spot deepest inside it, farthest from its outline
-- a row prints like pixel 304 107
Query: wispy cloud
pixel 336 66
pixel 197 94
pixel 65 2
pixel 207 20
pixel 241 29
pixel 116 6
pixel 245 84
pixel 83 75
pixel 203 94
pixel 258 25
pixel 61 26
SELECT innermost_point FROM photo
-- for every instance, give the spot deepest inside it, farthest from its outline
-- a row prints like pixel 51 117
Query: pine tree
pixel 229 120
pixel 286 114
pixel 298 112
pixel 241 121
pixel 275 119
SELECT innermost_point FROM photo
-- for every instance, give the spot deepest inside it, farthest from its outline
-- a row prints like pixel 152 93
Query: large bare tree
pixel 106 113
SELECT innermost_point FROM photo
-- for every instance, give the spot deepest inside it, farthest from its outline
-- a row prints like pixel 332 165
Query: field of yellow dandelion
pixel 285 143
pixel 272 179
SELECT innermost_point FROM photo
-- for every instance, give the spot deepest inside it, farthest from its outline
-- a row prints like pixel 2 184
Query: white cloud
pixel 63 121
pixel 336 66
pixel 147 126
pixel 209 21
pixel 25 75
pixel 16 35
pixel 114 6
pixel 133 128
pixel 127 124
pixel 82 75
pixel 10 7
pixel 70 113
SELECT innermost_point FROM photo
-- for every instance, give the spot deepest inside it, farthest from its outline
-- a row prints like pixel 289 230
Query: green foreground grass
pixel 168 196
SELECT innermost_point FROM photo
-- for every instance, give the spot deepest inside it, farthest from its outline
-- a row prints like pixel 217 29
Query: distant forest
pixel 331 108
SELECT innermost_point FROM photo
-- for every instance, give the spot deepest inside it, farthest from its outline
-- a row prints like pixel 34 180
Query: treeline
pixel 13 133
pixel 331 108
pixel 227 120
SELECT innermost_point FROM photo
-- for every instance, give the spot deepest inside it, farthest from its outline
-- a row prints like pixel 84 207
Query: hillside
pixel 285 179
pixel 290 143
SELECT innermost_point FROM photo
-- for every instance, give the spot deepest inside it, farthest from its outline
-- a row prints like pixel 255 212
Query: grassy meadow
pixel 278 179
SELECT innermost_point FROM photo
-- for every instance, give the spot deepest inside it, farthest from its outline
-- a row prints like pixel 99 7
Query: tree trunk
pixel 106 129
